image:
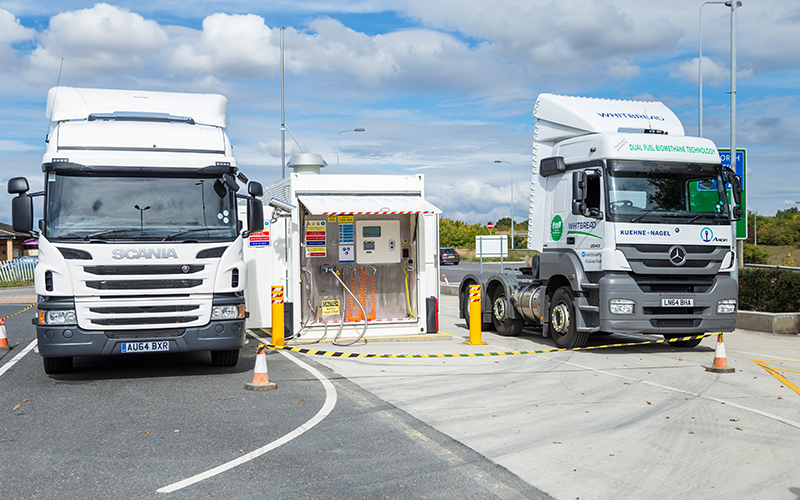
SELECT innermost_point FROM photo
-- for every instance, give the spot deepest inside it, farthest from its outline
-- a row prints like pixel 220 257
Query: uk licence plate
pixel 153 346
pixel 677 302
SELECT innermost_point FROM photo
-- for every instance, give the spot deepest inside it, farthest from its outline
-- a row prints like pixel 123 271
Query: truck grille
pixel 143 284
pixel 142 270
pixel 654 259
pixel 674 284
pixel 147 313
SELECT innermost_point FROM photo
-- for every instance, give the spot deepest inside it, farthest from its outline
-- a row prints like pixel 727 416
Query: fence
pixel 13 270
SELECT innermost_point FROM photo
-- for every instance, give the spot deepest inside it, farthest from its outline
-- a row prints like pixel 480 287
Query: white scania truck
pixel 140 248
pixel 633 224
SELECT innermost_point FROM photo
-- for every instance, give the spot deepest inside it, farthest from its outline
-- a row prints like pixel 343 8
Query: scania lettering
pixel 648 212
pixel 140 248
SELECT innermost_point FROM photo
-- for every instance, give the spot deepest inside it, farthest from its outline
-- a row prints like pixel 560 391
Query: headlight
pixel 727 306
pixel 57 318
pixel 621 306
pixel 227 312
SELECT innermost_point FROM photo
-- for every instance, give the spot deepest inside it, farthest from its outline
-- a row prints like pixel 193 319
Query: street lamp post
pixel 700 65
pixel 337 144
pixel 141 215
pixel 512 199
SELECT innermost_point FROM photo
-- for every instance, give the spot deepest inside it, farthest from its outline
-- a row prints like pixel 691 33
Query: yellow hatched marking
pixel 774 372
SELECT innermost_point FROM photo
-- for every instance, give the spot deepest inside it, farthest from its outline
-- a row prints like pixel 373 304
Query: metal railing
pixel 767 266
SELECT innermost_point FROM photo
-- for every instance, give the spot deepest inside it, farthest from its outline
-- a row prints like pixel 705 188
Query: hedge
pixel 769 290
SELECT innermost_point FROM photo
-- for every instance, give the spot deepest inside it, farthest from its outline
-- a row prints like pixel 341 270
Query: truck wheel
pixel 54 366
pixel 563 326
pixel 465 305
pixel 225 358
pixel 681 343
pixel 503 324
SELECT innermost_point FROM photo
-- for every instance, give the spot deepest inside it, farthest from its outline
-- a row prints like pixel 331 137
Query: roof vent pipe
pixel 307 163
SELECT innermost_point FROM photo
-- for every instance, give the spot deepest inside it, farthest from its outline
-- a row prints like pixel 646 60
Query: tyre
pixel 501 308
pixel 465 305
pixel 225 358
pixel 682 343
pixel 54 366
pixel 563 326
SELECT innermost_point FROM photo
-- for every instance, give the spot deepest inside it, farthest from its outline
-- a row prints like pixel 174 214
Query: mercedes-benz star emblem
pixel 677 255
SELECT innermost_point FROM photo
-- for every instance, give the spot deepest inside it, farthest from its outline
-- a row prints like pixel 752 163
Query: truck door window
pixel 592 200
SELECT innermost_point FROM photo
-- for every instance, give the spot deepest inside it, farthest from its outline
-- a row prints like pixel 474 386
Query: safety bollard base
pixel 470 342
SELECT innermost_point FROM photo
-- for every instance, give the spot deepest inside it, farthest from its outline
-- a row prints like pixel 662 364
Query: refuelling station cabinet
pixel 357 255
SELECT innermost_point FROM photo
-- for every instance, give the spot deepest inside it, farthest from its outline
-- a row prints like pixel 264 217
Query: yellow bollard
pixel 277 316
pixel 475 316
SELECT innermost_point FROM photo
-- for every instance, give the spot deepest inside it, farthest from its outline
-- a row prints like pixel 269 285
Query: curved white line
pixel 16 358
pixel 330 402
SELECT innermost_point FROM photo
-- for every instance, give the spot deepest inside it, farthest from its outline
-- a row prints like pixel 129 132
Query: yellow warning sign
pixel 330 307
pixel 345 218
pixel 331 218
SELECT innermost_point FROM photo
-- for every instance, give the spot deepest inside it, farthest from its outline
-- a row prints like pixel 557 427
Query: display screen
pixel 371 231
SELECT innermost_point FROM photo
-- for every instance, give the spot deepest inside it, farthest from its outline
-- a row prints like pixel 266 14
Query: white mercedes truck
pixel 140 248
pixel 632 220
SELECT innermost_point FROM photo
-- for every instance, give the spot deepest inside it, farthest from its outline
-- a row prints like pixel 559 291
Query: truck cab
pixel 633 224
pixel 140 249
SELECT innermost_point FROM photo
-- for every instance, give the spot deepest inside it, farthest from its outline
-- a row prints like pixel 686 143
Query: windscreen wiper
pixel 638 217
pixel 111 231
pixel 184 231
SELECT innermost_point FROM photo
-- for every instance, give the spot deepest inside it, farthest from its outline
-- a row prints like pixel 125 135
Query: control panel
pixel 378 242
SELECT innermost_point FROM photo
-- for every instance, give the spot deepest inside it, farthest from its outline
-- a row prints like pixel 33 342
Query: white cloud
pixel 11 31
pixel 97 40
pixel 235 45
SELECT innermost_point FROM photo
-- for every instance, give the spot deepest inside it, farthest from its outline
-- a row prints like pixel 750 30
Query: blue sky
pixel 442 88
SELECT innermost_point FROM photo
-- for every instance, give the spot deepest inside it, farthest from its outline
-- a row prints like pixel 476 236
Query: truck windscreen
pixel 138 208
pixel 666 192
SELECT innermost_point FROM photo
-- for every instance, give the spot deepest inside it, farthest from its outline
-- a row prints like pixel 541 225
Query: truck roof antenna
pixel 58 82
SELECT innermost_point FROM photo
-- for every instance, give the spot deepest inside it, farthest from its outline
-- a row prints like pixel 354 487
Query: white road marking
pixel 330 402
pixel 683 391
pixel 16 358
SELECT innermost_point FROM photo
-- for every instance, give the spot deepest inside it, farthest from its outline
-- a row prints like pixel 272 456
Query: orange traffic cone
pixel 444 278
pixel 720 359
pixel 260 376
pixel 3 338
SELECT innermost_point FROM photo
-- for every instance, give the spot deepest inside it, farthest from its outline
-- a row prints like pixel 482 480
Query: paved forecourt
pixel 630 422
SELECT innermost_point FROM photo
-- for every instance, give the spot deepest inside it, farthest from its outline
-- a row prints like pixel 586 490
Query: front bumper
pixel 64 341
pixel 649 315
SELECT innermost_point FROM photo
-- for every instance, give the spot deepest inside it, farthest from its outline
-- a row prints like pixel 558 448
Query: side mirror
pixel 255 189
pixel 18 185
pixel 551 166
pixel 738 213
pixel 579 183
pixel 255 215
pixel 21 205
pixel 578 208
pixel 230 181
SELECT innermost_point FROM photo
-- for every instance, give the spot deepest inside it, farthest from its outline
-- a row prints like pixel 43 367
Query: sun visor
pixel 366 205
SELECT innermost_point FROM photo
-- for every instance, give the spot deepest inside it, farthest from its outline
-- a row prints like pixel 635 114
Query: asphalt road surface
pixel 628 422
pixel 454 274
pixel 127 427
